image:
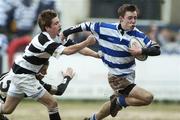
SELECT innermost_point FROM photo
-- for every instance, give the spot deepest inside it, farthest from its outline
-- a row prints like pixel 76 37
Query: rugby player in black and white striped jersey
pixel 68 74
pixel 37 53
pixel 54 90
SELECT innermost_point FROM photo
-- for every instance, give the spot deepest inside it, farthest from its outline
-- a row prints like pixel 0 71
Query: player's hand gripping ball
pixel 140 44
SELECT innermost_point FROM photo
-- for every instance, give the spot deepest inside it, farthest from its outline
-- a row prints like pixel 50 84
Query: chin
pixel 132 27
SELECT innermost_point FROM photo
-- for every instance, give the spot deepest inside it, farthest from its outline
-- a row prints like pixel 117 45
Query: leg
pixel 104 111
pixel 112 107
pixel 10 104
pixel 139 97
pixel 51 104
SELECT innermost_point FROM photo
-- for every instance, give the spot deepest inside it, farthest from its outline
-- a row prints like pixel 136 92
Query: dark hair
pixel 127 7
pixel 45 18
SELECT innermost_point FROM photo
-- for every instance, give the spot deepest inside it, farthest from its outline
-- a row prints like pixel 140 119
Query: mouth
pixel 59 29
pixel 59 32
pixel 133 26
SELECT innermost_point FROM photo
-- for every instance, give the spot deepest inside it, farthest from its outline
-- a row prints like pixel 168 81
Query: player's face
pixel 128 22
pixel 55 27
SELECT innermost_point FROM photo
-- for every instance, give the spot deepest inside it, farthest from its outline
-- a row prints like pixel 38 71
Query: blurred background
pixel 160 19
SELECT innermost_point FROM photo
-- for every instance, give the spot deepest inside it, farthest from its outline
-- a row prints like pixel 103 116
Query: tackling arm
pixel 85 51
pixel 57 90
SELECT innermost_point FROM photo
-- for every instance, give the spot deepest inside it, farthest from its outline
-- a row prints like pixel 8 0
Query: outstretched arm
pixel 59 90
pixel 77 47
pixel 87 51
pixel 68 75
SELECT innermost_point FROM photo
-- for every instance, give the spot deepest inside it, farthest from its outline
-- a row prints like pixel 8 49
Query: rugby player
pixel 54 90
pixel 36 54
pixel 114 40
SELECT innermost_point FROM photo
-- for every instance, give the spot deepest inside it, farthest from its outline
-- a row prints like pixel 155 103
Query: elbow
pixel 159 52
pixel 156 51
pixel 59 93
pixel 69 51
pixel 60 90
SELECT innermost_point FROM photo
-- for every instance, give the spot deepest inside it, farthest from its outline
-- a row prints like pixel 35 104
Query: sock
pixel 93 117
pixel 121 101
pixel 54 114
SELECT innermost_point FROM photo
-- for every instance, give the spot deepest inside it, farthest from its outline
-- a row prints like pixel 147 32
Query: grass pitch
pixel 77 110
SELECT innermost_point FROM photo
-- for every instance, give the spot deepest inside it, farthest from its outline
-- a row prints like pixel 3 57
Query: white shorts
pixel 25 84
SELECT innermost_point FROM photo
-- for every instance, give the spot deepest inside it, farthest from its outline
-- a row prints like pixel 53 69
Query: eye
pixel 130 17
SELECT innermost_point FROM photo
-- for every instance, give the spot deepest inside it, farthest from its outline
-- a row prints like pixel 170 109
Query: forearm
pixel 57 90
pixel 62 87
pixel 72 30
pixel 88 52
pixel 152 51
pixel 75 48
pixel 86 26
pixel 48 87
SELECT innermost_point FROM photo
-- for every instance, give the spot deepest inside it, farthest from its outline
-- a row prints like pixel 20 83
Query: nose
pixel 60 26
pixel 133 20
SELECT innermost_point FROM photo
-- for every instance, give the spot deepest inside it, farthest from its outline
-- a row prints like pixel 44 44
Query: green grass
pixel 77 110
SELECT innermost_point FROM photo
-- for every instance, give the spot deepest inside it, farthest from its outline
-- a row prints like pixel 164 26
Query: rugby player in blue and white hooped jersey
pixel 114 39
pixel 37 53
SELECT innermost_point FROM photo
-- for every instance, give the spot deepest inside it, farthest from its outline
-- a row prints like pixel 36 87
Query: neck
pixel 121 29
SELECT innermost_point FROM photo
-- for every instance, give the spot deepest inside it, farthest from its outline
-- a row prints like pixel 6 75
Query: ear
pixel 120 18
pixel 47 28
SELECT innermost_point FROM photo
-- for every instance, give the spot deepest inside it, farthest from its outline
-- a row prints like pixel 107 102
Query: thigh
pixel 47 100
pixel 30 86
pixel 139 93
pixel 11 103
pixel 118 83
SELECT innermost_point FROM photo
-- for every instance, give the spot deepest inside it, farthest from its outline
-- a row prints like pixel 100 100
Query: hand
pixel 62 37
pixel 69 72
pixel 42 72
pixel 135 50
pixel 100 54
pixel 91 40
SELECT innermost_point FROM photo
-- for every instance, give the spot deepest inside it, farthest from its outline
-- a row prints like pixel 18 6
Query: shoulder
pixel 137 33
pixel 108 25
pixel 43 38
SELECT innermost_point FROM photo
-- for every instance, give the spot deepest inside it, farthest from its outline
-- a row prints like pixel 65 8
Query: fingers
pixel 135 51
pixel 135 45
pixel 69 72
pixel 62 37
pixel 91 39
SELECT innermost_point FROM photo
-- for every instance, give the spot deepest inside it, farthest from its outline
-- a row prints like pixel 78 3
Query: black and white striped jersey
pixel 36 54
pixel 4 85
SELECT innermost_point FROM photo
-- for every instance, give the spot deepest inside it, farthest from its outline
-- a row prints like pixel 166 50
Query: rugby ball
pixel 132 43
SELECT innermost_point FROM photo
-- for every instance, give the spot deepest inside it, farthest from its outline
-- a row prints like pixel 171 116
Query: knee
pixel 149 98
pixel 53 104
pixel 7 110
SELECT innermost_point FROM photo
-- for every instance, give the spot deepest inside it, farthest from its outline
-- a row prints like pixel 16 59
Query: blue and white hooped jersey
pixel 114 46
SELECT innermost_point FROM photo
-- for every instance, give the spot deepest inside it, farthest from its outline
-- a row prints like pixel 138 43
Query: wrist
pixel 66 33
pixel 144 51
pixel 72 30
pixel 67 78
